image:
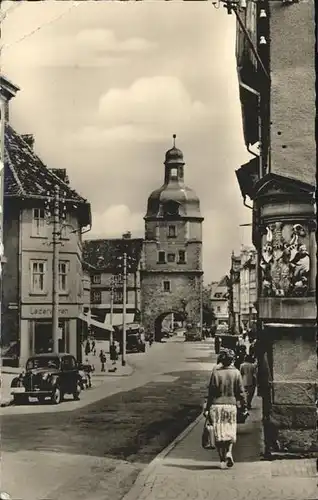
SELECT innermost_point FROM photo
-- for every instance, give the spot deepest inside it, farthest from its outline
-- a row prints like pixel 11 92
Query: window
pixel 218 295
pixel 63 275
pixel 218 309
pixel 118 296
pixel 68 363
pixel 182 257
pixel 171 257
pixel 174 172
pixel 39 223
pixel 96 297
pixel 96 279
pixel 172 232
pixel 162 257
pixel 38 272
pixel 166 286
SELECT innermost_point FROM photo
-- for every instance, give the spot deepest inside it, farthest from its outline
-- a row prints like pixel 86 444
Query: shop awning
pixel 118 318
pixel 92 322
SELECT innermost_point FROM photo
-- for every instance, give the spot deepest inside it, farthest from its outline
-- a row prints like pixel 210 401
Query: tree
pixel 208 312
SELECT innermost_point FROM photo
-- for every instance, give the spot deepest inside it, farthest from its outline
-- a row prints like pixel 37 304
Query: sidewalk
pixel 186 471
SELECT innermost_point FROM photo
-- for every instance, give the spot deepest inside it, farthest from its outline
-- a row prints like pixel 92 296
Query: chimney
pixel 127 236
pixel 29 139
pixel 7 91
pixel 61 173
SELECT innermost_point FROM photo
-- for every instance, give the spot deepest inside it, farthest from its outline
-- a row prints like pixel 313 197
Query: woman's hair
pixel 226 357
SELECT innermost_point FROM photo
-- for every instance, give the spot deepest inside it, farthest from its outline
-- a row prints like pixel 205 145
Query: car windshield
pixel 34 363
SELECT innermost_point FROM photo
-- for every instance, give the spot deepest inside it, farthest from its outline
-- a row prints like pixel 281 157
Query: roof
pixel 104 254
pixel 27 177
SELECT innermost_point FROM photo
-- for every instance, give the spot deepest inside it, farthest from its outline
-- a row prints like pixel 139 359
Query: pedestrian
pixel 102 358
pixel 87 348
pixel 225 389
pixel 113 353
pixel 94 348
pixel 88 368
pixel 240 356
pixel 249 377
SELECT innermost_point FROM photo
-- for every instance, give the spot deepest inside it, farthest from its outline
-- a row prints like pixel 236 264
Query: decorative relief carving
pixel 285 261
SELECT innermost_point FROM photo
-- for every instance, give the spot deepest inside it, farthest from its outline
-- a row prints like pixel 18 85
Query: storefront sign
pixel 45 311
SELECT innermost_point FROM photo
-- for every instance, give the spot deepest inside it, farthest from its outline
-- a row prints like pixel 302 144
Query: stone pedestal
pixel 286 243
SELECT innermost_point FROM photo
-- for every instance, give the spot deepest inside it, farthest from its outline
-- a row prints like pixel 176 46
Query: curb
pixel 144 476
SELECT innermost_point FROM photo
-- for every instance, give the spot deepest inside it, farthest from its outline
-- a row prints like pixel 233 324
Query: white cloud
pixel 105 40
pixel 148 110
pixel 148 101
pixel 115 221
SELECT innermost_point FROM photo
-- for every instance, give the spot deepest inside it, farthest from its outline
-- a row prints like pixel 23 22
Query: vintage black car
pixel 134 343
pixel 47 375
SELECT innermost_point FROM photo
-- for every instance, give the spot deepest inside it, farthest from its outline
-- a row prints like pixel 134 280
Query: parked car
pixel 225 340
pixel 47 375
pixel 135 344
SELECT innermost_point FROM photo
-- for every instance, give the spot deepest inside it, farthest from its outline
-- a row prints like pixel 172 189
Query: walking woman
pixel 225 389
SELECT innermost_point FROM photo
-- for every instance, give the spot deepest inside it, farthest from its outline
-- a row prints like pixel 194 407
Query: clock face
pixel 171 208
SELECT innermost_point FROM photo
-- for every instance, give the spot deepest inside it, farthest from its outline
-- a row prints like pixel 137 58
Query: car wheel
pixel 77 393
pixel 19 399
pixel 56 397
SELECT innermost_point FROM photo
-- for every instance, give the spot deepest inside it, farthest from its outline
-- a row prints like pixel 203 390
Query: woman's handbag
pixel 241 415
pixel 208 438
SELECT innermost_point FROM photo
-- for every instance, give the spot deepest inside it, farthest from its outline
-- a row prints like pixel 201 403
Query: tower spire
pixel 174 140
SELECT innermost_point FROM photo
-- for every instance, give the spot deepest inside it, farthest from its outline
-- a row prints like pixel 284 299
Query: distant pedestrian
pixel 94 348
pixel 249 377
pixel 113 353
pixel 150 340
pixel 87 348
pixel 102 358
pixel 225 389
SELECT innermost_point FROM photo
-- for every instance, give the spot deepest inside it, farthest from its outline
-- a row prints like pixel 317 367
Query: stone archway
pixel 158 323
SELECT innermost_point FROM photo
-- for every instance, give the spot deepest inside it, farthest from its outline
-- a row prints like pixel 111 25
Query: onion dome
pixel 173 198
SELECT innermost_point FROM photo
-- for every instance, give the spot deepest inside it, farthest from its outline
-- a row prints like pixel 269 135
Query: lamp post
pixel 123 360
pixel 55 210
pixel 112 285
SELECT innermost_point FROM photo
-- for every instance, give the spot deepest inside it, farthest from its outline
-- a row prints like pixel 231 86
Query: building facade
pixel 220 303
pixel 171 276
pixel 276 68
pixel 105 259
pixel 248 295
pixel 27 299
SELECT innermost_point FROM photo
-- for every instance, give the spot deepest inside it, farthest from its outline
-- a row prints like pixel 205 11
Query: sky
pixel 105 85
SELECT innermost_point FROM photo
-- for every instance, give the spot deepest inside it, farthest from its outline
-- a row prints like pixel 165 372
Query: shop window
pixel 39 226
pixel 171 257
pixel 182 257
pixel 166 286
pixel 172 233
pixel 38 276
pixel 161 257
pixel 63 276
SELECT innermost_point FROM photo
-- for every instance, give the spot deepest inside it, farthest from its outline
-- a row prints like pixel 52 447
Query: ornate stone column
pixel 285 239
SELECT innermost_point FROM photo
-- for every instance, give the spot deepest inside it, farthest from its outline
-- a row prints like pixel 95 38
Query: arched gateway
pixel 171 278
